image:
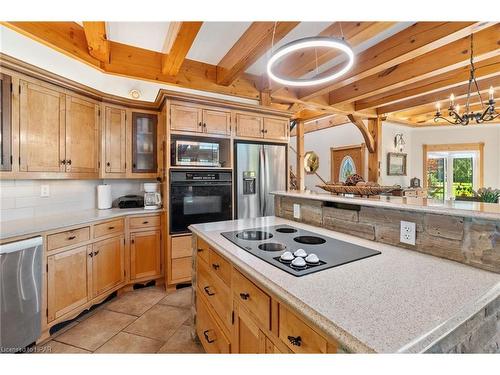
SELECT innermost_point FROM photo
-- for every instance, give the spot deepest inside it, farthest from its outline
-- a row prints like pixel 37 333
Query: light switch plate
pixel 408 231
pixel 296 211
pixel 44 191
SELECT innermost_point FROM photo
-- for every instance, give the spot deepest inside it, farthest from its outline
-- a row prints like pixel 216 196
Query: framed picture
pixel 396 164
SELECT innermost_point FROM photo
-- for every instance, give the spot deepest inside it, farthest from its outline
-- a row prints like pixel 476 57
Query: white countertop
pixel 478 210
pixel 398 301
pixel 35 225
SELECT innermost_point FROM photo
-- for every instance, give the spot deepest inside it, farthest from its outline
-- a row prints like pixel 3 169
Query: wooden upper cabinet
pixel 144 142
pixel 42 129
pixel 275 128
pixel 5 122
pixel 82 142
pixel 145 254
pixel 185 118
pixel 216 122
pixel 115 135
pixel 108 264
pixel 68 275
pixel 248 125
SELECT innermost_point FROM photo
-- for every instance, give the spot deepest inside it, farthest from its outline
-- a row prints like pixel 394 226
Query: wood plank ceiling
pixel 400 77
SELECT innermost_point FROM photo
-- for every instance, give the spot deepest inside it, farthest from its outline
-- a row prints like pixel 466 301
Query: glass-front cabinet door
pixel 144 145
pixel 5 123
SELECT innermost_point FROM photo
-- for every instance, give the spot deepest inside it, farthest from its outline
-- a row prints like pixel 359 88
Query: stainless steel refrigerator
pixel 259 169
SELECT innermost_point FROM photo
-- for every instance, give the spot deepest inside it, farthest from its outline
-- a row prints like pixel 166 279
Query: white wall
pixel 20 199
pixel 344 135
pixel 321 141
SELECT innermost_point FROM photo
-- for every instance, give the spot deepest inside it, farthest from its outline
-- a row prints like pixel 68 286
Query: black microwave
pixel 196 153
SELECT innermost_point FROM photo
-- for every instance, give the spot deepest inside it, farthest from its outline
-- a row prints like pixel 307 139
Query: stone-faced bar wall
pixel 475 242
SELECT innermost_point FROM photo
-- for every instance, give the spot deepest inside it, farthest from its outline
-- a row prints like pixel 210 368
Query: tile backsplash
pixel 21 198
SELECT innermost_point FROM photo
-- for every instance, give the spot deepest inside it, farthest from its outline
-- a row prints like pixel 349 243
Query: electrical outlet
pixel 44 191
pixel 296 211
pixel 408 231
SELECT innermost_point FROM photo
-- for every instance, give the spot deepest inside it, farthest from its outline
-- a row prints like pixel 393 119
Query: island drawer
pixel 216 293
pixel 253 298
pixel 202 249
pixel 181 247
pixel 208 331
pixel 109 227
pixel 67 238
pixel 139 222
pixel 297 335
pixel 220 266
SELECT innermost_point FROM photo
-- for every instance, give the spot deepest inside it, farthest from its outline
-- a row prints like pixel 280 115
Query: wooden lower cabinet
pixel 209 332
pixel 108 264
pixel 145 254
pixel 248 338
pixel 180 254
pixel 68 278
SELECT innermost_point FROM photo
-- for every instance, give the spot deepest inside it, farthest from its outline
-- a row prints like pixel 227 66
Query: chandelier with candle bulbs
pixel 487 113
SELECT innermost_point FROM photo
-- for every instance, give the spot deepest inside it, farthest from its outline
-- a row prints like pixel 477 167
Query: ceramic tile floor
pixel 141 321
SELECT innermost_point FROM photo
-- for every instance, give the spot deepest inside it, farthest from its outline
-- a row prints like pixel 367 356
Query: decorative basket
pixel 357 190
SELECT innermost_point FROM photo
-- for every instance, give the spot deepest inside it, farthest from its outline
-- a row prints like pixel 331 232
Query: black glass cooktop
pixel 269 243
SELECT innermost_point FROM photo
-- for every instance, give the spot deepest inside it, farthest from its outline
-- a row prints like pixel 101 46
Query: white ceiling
pixel 215 39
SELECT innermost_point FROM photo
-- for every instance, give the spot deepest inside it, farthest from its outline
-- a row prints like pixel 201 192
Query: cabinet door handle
pixel 132 240
pixel 69 162
pixel 215 266
pixel 71 238
pixel 244 296
pixel 63 162
pixel 108 164
pixel 207 290
pixel 91 254
pixel 204 125
pixel 200 250
pixel 295 340
pixel 96 252
pixel 205 333
pixel 199 124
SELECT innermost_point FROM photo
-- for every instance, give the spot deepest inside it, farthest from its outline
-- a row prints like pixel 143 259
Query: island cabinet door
pixel 82 119
pixel 68 276
pixel 42 128
pixel 108 264
pixel 247 337
pixel 145 254
pixel 210 334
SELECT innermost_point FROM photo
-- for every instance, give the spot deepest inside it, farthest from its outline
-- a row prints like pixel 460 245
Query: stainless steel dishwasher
pixel 20 293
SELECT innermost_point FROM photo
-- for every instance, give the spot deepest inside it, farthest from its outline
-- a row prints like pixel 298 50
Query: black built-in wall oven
pixel 199 196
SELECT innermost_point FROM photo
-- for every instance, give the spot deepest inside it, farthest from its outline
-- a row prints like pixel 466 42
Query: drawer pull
pixel 207 290
pixel 244 296
pixel 111 228
pixel 145 222
pixel 71 238
pixel 96 252
pixel 215 266
pixel 205 333
pixel 295 340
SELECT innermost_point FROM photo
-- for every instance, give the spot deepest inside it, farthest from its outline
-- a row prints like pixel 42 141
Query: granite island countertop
pixel 398 301
pixel 478 210
pixel 35 225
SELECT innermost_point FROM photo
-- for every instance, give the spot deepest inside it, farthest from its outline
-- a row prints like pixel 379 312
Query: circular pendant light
pixel 311 42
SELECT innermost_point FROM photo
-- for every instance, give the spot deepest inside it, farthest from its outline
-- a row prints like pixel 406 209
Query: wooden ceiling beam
pixel 449 57
pixel 98 45
pixel 303 62
pixel 179 40
pixel 440 96
pixel 253 44
pixel 367 136
pixel 409 43
pixel 128 61
pixel 484 69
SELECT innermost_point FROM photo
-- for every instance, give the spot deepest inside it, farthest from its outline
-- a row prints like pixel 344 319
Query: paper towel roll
pixel 104 197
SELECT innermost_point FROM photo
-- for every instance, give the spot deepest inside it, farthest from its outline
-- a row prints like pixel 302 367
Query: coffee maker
pixel 152 198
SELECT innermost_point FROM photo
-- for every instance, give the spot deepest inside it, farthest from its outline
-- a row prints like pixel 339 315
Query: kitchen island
pixel 398 301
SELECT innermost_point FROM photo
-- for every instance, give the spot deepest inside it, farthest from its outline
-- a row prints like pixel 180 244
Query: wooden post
pixel 300 155
pixel 375 129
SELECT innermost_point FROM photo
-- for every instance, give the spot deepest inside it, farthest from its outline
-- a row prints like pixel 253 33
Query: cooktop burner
pixel 309 240
pixel 254 235
pixel 297 251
